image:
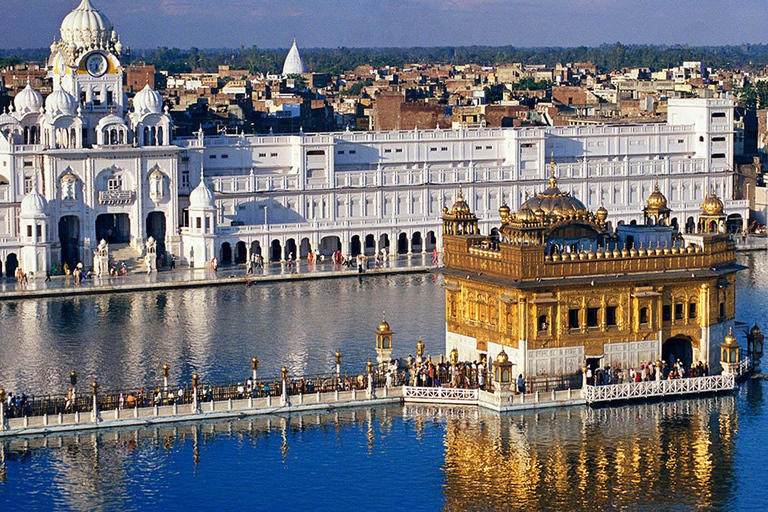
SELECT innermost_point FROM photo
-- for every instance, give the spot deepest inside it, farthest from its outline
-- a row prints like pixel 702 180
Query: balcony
pixel 116 197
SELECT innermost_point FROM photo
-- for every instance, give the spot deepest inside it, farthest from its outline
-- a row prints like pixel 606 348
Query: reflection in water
pixel 662 456
pixel 657 456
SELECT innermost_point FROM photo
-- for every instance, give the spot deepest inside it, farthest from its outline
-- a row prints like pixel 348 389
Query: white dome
pixel 7 119
pixel 294 64
pixel 86 27
pixel 202 196
pixel 33 205
pixel 60 102
pixel 111 119
pixel 148 101
pixel 28 100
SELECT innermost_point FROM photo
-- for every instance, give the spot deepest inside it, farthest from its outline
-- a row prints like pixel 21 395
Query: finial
pixel 383 316
pixel 552 178
pixel 202 176
pixel 461 194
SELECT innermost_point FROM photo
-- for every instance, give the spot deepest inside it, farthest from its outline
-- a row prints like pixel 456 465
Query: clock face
pixel 96 64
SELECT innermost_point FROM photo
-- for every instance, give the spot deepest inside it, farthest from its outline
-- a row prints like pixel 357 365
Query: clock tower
pixel 85 63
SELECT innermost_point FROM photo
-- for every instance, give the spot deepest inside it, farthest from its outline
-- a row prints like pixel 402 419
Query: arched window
pixel 160 140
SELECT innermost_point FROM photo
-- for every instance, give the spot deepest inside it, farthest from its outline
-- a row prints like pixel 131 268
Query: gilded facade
pixel 556 288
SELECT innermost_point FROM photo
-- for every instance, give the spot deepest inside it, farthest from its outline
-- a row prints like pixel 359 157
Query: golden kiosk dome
pixel 383 326
pixel 502 358
pixel 656 201
pixel 730 339
pixel 460 206
pixel 554 202
pixel 504 211
pixel 712 205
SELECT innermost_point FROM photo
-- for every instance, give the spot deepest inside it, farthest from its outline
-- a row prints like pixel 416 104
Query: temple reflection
pixel 657 456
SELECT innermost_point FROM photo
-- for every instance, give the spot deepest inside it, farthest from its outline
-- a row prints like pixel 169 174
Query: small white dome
pixel 28 100
pixel 33 205
pixel 294 64
pixel 60 102
pixel 109 120
pixel 7 119
pixel 148 101
pixel 86 27
pixel 202 196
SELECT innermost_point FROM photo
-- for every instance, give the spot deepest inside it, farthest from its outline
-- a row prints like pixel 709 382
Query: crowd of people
pixel 646 372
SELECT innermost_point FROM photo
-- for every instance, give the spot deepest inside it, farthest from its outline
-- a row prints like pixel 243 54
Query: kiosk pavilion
pixel 556 289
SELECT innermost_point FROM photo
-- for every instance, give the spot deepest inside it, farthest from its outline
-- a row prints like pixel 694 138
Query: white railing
pixel 638 390
pixel 440 395
pixel 745 366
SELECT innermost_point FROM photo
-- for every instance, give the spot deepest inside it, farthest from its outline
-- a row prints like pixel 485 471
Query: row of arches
pixel 294 248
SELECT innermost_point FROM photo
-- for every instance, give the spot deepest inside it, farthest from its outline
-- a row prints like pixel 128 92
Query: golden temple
pixel 557 288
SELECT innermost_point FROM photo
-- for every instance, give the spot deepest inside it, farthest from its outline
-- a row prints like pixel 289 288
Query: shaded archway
pixel 370 244
pixel 115 228
pixel 256 248
pixel 241 253
pixel 354 246
pixel 677 348
pixel 675 225
pixel 431 240
pixel 225 254
pixel 384 242
pixel 734 223
pixel 402 243
pixel 290 249
pixel 417 243
pixel 11 264
pixel 156 229
pixel 304 248
pixel 69 238
pixel 329 245
pixel 690 225
pixel 275 251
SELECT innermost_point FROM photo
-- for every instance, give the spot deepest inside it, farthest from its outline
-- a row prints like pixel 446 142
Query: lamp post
pixel 2 409
pixel 338 364
pixel 95 413
pixel 195 383
pixel 255 368
pixel 284 377
pixel 166 374
pixel 369 367
pixel 73 383
pixel 419 351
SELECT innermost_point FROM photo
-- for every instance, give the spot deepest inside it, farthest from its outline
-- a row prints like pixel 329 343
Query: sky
pixel 369 23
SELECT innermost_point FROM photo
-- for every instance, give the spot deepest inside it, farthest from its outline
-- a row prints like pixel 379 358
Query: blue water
pixel 703 454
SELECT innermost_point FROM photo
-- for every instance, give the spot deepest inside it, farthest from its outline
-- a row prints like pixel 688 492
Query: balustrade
pixel 650 389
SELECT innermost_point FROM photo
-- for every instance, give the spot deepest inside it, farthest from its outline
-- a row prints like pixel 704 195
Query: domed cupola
pixel 202 197
pixel 459 220
pixel 28 101
pixel 34 205
pixel 656 210
pixel 148 101
pixel 61 103
pixel 712 205
pixel 553 202
pixel 87 28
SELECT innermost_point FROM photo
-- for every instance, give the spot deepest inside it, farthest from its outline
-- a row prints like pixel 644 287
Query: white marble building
pixel 104 169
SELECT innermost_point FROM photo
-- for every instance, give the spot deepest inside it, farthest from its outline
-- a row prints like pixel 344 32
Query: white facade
pixel 106 171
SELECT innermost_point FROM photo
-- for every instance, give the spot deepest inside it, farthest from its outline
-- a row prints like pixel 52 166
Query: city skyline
pixel 401 23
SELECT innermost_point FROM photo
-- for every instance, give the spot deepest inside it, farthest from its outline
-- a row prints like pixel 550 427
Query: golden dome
pixel 601 214
pixel 504 211
pixel 502 358
pixel 712 205
pixel 460 206
pixel 69 177
pixel 554 202
pixel 383 326
pixel 730 339
pixel 656 201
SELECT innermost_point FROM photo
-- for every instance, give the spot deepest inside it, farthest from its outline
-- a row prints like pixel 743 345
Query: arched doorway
pixel 241 253
pixel 370 245
pixel 11 264
pixel 276 251
pixel 156 229
pixel 115 228
pixel 417 243
pixel 290 249
pixel 384 242
pixel 256 248
pixel 226 254
pixel 69 238
pixel 329 245
pixel 354 246
pixel 431 241
pixel 690 225
pixel 675 225
pixel 734 223
pixel 305 248
pixel 402 243
pixel 677 348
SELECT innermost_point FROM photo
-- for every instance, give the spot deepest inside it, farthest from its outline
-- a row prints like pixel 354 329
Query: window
pixel 692 310
pixel 643 316
pixel 573 318
pixel 610 316
pixel 224 156
pixel 722 310
pixel 718 139
pixel 666 313
pixel 387 150
pixel 718 155
pixel 115 183
pixel 316 152
pixel 543 324
pixel 488 147
pixel 110 97
pixel 29 231
pixel 27 184
pixel 444 149
pixel 97 98
pixel 433 149
pixel 351 152
pixel 27 163
pixel 39 231
pixel 678 311
pixel 341 152
pixel 185 178
pixel 398 151
pixel 592 314
pixel 273 154
pixel 478 148
pixel 212 157
pixel 198 223
pixel 718 115
pixel 264 155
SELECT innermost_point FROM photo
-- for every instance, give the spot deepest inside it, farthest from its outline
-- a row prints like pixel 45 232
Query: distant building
pixel 294 64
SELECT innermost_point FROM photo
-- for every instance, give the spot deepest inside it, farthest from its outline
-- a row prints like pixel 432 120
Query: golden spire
pixel 552 178
pixel 461 193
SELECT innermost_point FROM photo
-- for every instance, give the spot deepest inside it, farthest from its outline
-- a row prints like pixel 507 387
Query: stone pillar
pixel 284 375
pixel 410 245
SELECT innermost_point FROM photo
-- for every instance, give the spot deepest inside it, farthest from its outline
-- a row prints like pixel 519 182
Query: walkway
pixel 60 286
